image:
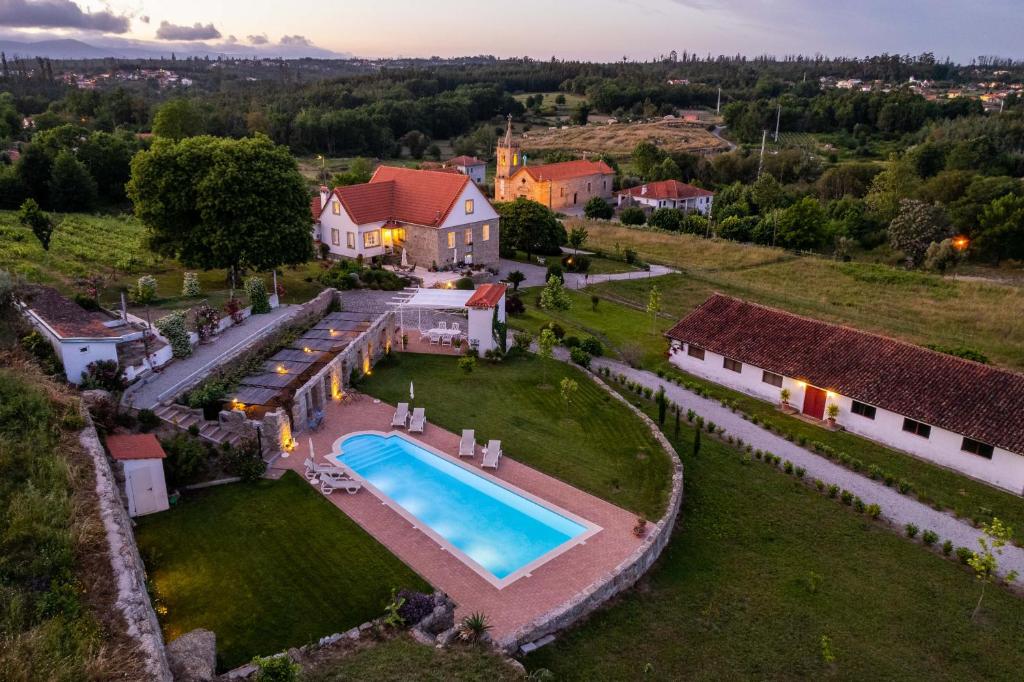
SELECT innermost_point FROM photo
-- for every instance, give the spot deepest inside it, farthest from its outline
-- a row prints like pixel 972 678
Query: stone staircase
pixel 184 418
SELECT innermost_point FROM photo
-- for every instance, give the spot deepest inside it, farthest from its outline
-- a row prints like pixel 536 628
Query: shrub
pixel 172 327
pixel 256 290
pixel 903 486
pixel 800 471
pixel 819 484
pixel 576 263
pixel 39 347
pixel 873 510
pixel 103 374
pixel 522 341
pixel 964 555
pixel 555 271
pixel 276 669
pixel 415 606
pixel 598 208
pixel 571 341
pixel 889 479
pixel 557 330
pixel 592 346
pixel 190 285
pixel 87 302
pixel 244 460
pixel 145 290
pixel 911 530
pixel 473 627
pixel 875 472
pixel 632 215
pixel 465 284
pixel 929 537
pixel 833 490
pixel 858 505
pixel 186 458
pixel 847 497
pixel 233 308
pixel 947 547
pixel 148 420
pixel 514 305
pixel 467 363
pixel 710 426
pixel 787 466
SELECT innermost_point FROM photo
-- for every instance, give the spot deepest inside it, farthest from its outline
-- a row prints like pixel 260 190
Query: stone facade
pixel 429 245
pixel 555 194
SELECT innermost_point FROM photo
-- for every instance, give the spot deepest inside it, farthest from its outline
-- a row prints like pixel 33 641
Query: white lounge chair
pixel 313 469
pixel 329 482
pixel 418 421
pixel 401 417
pixel 492 455
pixel 467 446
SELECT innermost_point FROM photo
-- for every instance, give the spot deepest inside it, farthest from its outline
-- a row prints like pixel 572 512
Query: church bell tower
pixel 508 161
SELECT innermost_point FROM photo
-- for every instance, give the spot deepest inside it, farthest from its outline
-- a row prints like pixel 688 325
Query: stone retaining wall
pixel 132 598
pixel 627 573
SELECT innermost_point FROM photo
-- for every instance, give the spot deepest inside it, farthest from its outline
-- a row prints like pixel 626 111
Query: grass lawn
pixel 403 659
pixel 916 307
pixel 115 246
pixel 266 565
pixel 598 265
pixel 761 568
pixel 596 444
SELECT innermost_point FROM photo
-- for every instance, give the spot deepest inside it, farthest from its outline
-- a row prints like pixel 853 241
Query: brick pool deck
pixel 519 603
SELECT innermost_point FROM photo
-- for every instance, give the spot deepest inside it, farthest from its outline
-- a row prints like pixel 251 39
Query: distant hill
pixel 67 48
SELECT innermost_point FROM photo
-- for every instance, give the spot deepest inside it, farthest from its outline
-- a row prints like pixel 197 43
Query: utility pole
pixel 760 162
pixel 718 107
pixel 778 119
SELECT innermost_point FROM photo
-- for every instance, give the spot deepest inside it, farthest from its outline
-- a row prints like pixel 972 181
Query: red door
pixel 814 402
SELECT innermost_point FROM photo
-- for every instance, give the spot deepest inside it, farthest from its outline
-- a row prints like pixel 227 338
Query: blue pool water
pixel 497 528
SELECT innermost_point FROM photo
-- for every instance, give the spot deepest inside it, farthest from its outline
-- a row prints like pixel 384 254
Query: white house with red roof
pixel 470 166
pixel 436 217
pixel 141 458
pixel 959 414
pixel 668 194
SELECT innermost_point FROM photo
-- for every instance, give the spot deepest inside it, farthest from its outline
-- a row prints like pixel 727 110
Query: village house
pixel 668 194
pixel 959 414
pixel 559 186
pixel 469 166
pixel 80 337
pixel 435 217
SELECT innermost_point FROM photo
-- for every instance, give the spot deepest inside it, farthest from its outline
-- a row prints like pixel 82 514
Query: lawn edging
pixel 132 596
pixel 629 571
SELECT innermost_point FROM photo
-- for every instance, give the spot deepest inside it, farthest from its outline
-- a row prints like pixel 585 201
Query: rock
pixel 193 656
pixel 447 637
pixel 95 396
pixel 422 637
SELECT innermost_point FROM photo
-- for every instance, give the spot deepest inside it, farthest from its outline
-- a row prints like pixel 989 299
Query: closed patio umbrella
pixel 412 392
pixel 405 258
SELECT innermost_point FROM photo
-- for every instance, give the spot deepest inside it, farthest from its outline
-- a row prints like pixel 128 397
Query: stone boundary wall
pixel 627 573
pixel 132 598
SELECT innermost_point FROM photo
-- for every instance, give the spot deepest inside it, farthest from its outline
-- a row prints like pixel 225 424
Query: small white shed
pixel 142 459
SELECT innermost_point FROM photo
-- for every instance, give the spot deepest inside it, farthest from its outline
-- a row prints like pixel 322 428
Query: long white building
pixel 956 413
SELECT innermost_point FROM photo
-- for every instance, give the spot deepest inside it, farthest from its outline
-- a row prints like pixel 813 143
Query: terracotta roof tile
pixel 465 161
pixel 315 208
pixel 667 189
pixel 566 170
pixel 421 197
pixel 979 401
pixel 67 318
pixel 486 296
pixel 134 446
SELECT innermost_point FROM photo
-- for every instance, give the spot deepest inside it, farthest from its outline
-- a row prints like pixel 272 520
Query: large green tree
pixel 529 226
pixel 915 227
pixel 178 119
pixel 221 203
pixel 1001 229
pixel 801 226
pixel 71 186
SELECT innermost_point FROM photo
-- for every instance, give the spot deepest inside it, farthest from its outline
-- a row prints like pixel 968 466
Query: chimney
pixel 643 190
pixel 324 193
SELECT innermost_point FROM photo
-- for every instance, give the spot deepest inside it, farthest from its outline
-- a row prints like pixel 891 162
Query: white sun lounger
pixel 401 417
pixel 329 482
pixel 467 446
pixel 313 469
pixel 492 455
pixel 418 421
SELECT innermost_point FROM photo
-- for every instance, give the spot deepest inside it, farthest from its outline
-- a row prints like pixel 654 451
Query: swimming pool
pixel 499 532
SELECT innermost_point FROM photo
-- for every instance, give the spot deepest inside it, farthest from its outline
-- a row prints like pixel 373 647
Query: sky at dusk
pixel 582 29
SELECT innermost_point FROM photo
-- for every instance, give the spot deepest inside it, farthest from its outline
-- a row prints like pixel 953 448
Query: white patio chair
pixel 456 327
pixel 330 482
pixel 435 339
pixel 467 446
pixel 442 325
pixel 418 421
pixel 492 455
pixel 401 417
pixel 446 340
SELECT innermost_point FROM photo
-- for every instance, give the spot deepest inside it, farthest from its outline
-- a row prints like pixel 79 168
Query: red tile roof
pixel 422 197
pixel 486 296
pixel 982 402
pixel 465 161
pixel 667 189
pixel 135 446
pixel 566 170
pixel 67 318
pixel 315 208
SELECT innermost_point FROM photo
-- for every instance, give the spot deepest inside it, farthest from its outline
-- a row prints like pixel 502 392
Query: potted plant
pixel 640 529
pixel 832 411
pixel 784 396
pixel 405 342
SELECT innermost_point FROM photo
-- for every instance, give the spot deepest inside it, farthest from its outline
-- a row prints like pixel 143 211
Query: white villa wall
pixel 700 205
pixel 943 447
pixel 76 355
pixel 482 210
pixel 344 224
pixel 476 173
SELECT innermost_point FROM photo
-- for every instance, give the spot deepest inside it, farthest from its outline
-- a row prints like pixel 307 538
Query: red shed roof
pixel 422 197
pixel 135 446
pixel 465 161
pixel 566 170
pixel 667 189
pixel 486 296
pixel 975 400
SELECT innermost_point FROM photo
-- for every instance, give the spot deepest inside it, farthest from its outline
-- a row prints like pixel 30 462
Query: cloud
pixel 258 40
pixel 231 40
pixel 196 31
pixel 295 41
pixel 59 14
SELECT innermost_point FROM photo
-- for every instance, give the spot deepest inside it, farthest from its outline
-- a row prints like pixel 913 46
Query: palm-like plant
pixel 473 627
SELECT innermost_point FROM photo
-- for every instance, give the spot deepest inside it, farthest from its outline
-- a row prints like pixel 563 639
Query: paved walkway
pixel 159 386
pixel 535 274
pixel 896 508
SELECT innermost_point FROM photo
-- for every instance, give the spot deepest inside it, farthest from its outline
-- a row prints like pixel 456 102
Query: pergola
pixel 477 305
pixel 439 300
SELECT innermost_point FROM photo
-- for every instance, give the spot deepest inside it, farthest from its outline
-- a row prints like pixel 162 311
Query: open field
pixel 115 247
pixel 595 444
pixel 265 565
pixel 916 307
pixel 762 568
pixel 619 139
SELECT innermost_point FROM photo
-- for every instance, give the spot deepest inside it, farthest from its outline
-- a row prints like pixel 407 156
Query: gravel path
pixel 535 274
pixel 896 508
